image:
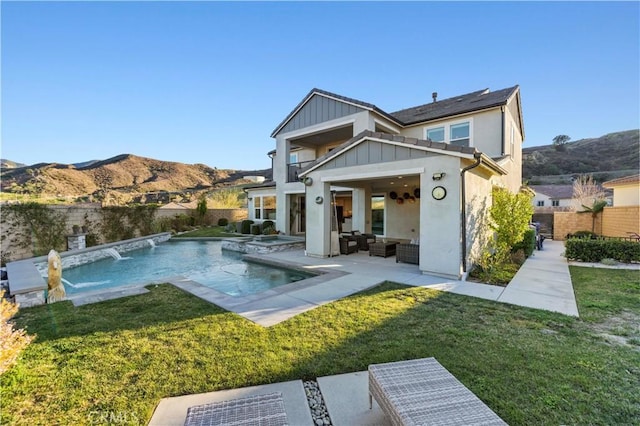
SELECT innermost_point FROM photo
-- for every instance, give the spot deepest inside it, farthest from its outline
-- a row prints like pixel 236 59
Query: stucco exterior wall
pixel 626 196
pixel 478 202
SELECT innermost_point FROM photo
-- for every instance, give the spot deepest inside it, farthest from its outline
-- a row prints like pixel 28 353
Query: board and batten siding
pixel 318 110
pixel 372 152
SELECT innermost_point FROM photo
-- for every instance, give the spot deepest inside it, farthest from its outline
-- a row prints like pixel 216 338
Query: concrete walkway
pixel 543 282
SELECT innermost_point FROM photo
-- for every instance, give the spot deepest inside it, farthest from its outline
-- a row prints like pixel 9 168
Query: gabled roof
pixel 474 101
pixel 345 99
pixel 627 180
pixel 556 192
pixel 443 148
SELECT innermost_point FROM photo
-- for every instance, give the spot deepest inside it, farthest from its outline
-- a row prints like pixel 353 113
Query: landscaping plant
pixel 12 341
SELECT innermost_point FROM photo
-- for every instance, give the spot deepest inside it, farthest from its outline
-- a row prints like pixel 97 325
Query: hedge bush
pixel 246 226
pixel 587 250
pixel 528 243
pixel 256 229
pixel 223 221
pixel 582 234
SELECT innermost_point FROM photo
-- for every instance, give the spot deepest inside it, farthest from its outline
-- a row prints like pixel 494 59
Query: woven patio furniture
pixel 408 253
pixel 383 249
pixel 258 410
pixel 364 239
pixel 348 244
pixel 423 392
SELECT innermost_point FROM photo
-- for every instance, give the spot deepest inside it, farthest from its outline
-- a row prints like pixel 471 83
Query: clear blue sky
pixel 207 82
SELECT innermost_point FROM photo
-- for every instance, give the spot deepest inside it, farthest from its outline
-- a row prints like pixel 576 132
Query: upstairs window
pixel 436 134
pixel 541 203
pixel 555 203
pixel 293 158
pixel 459 134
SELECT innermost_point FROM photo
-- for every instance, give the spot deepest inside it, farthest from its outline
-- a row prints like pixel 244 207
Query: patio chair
pixel 364 239
pixel 408 253
pixel 348 244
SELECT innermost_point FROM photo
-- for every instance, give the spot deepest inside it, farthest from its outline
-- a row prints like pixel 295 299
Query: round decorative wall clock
pixel 439 192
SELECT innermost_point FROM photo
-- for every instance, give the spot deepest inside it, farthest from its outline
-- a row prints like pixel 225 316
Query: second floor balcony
pixel 293 169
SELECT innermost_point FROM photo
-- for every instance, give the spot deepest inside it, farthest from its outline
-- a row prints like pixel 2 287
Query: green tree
pixel 510 215
pixel 560 142
pixel 201 208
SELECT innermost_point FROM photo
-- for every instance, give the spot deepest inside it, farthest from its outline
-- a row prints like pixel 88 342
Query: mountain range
pixel 129 176
pixel 124 174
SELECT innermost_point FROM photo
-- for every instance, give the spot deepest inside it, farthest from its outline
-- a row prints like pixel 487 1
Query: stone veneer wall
pixel 253 247
pixel 89 255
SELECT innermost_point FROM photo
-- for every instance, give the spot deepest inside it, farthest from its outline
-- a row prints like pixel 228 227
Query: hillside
pixel 125 174
pixel 605 156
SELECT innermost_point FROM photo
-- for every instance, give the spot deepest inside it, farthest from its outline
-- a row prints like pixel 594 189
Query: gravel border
pixel 318 408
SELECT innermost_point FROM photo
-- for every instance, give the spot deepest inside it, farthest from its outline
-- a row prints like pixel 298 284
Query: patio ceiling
pixel 388 183
pixel 339 134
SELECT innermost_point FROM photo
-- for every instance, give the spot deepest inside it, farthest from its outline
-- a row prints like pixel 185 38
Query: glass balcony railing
pixel 293 169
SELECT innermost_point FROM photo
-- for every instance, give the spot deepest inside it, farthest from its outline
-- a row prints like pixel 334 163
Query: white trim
pixel 371 175
pixel 319 127
pixel 291 192
pixel 386 126
pixel 447 130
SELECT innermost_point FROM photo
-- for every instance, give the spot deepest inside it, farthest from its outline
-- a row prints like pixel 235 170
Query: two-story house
pixel 424 173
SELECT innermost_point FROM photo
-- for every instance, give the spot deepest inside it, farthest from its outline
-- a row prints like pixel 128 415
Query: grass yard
pixel 118 358
pixel 211 231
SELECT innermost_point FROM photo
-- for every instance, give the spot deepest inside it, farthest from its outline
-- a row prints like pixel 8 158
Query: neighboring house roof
pixel 174 205
pixel 433 146
pixel 627 180
pixel 474 101
pixel 557 192
pixel 262 185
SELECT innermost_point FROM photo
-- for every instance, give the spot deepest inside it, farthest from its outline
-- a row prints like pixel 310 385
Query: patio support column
pixel 318 213
pixel 361 209
pixel 280 175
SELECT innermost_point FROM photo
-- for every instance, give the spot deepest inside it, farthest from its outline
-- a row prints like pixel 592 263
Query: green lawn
pixel 211 231
pixel 118 358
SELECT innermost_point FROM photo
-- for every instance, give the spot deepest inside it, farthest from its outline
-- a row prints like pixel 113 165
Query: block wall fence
pixel 91 213
pixel 612 222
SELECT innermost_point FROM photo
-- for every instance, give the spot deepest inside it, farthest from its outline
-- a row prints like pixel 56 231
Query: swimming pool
pixel 201 261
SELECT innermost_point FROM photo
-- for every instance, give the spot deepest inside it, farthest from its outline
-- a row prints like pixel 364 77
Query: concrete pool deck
pixel 543 282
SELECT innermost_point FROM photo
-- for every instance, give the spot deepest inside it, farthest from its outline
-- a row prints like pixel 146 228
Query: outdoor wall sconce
pixel 250 198
pixel 438 176
pixel 319 199
pixel 307 181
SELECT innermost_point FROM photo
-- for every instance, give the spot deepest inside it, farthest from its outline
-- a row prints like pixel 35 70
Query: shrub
pixel 582 234
pixel 269 230
pixel 528 243
pixel 268 224
pixel 223 221
pixel 246 226
pixel 588 250
pixel 12 342
pixel 230 227
pixel 256 229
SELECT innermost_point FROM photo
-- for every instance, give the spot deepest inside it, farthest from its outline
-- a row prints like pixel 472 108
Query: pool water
pixel 200 261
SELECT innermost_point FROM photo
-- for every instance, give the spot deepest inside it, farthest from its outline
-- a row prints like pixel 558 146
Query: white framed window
pixel 456 133
pixel 264 207
pixel 459 134
pixel 436 134
pixel 555 203
pixel 293 157
pixel 541 203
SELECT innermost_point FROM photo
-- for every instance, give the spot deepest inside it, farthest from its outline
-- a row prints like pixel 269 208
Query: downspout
pixel 502 130
pixel 463 216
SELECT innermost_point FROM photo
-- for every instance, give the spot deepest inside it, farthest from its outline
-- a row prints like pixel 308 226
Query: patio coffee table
pixel 423 392
pixel 380 248
pixel 258 410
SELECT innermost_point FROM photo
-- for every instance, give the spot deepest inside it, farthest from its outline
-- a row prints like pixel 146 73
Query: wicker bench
pixel 422 392
pixel 258 410
pixel 408 253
